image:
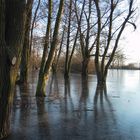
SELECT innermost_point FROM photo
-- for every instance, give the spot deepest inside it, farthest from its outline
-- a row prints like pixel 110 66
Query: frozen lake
pixel 77 111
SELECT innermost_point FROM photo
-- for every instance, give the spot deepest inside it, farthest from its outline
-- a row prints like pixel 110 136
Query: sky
pixel 131 45
pixel 131 42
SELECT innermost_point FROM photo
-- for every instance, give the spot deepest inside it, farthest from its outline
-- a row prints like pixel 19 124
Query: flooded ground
pixel 77 111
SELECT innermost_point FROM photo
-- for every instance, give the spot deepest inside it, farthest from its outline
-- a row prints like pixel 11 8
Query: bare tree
pixel 44 71
pixel 66 74
pixel 86 24
pixel 112 33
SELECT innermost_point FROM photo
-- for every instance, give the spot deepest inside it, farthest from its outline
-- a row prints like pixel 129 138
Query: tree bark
pixel 32 25
pixel 42 84
pixel 43 78
pixel 11 38
pixel 25 57
pixel 97 63
pixel 66 74
pixel 55 63
pixel 85 63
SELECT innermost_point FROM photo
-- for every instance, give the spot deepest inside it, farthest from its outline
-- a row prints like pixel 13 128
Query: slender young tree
pixel 55 62
pixel 46 64
pixel 32 24
pixel 66 74
pixel 12 19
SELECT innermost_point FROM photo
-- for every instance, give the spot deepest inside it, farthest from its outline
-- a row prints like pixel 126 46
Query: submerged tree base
pixel 4 135
pixel 101 84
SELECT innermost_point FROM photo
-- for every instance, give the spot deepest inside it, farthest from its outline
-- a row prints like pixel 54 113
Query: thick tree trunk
pixel 101 80
pixel 11 37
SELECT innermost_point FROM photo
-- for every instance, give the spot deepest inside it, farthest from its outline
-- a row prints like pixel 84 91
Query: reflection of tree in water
pixel 53 85
pixel 65 115
pixel 22 108
pixel 43 120
pixel 83 98
pixel 65 99
pixel 104 117
pixel 66 95
pixel 83 112
pixel 68 102
pixel 72 114
pixel 61 110
pixel 85 89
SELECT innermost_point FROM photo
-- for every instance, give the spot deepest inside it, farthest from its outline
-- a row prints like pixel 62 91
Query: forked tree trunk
pixel 84 42
pixel 103 66
pixel 11 37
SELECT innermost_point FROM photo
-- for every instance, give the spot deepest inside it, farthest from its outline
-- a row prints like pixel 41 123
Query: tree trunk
pixel 32 25
pixel 66 74
pixel 25 57
pixel 42 80
pixel 99 73
pixel 11 37
pixel 85 63
pixel 55 65
pixel 43 77
pixel 101 80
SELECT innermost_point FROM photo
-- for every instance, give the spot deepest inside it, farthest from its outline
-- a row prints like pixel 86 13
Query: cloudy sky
pixel 131 43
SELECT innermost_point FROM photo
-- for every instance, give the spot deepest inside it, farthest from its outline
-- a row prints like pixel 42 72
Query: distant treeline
pixel 126 67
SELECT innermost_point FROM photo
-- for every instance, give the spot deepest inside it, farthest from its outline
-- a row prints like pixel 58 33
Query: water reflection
pixel 53 84
pixel 21 109
pixel 42 117
pixel 100 93
pixel 104 116
pixel 82 109
pixel 85 89
pixel 67 88
pixel 78 110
